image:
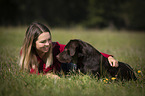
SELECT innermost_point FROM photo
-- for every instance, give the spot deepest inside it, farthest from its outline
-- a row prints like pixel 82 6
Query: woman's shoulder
pixel 54 44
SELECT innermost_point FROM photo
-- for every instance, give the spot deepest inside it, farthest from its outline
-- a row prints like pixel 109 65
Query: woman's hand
pixel 53 76
pixel 112 61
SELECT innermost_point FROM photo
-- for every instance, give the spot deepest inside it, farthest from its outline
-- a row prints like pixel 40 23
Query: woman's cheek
pixel 40 45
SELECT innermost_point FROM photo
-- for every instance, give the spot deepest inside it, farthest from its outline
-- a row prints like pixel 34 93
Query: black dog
pixel 90 60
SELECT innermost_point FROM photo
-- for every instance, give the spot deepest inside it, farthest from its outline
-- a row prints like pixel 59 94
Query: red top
pixel 56 66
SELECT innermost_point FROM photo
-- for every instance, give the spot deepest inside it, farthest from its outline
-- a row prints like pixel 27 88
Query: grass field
pixel 125 46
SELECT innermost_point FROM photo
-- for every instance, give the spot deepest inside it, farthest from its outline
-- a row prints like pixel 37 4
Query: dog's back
pixel 123 71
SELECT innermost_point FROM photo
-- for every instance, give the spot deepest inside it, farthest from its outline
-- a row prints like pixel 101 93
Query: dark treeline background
pixel 126 14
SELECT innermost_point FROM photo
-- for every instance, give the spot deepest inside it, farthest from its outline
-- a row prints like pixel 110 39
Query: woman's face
pixel 43 43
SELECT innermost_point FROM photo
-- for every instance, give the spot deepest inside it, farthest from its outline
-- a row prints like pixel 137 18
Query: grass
pixel 126 46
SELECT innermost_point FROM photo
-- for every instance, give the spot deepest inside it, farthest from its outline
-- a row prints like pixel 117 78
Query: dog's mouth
pixel 62 60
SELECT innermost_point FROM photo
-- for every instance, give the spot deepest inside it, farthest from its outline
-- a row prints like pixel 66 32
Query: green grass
pixel 126 46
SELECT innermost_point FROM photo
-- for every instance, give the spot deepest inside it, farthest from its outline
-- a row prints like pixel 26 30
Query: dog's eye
pixel 68 52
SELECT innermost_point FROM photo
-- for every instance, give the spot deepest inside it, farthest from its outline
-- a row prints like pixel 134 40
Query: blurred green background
pixel 118 14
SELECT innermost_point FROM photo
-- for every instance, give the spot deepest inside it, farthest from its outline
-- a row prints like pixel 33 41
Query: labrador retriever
pixel 89 60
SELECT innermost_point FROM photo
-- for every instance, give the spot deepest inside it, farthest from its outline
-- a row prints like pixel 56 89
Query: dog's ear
pixel 72 51
pixel 78 48
pixel 83 47
pixel 72 45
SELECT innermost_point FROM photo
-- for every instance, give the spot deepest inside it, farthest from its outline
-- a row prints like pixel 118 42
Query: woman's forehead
pixel 44 36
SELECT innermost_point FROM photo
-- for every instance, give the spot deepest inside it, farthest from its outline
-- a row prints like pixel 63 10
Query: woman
pixel 38 53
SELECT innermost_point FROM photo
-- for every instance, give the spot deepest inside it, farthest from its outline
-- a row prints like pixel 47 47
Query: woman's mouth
pixel 46 48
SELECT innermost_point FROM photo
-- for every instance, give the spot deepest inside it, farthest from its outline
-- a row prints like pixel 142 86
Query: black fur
pixel 90 60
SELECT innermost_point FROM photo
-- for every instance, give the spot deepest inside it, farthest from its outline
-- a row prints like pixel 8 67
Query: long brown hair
pixel 28 57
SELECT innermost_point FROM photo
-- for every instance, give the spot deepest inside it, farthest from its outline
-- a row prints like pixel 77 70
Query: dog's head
pixel 72 51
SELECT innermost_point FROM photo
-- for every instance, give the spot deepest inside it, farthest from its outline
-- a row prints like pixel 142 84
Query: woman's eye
pixel 49 40
pixel 43 41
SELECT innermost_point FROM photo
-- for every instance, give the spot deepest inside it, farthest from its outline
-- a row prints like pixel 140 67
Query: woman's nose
pixel 47 44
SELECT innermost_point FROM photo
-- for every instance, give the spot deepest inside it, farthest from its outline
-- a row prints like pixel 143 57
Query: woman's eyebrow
pixel 42 40
pixel 45 40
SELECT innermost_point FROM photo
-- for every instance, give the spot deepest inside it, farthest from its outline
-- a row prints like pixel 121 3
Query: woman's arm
pixel 52 76
pixel 105 55
pixel 113 62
